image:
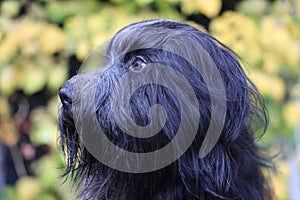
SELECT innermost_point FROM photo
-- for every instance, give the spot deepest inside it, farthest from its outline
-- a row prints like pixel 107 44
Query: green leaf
pixel 7 80
pixel 57 76
pixel 58 11
pixel 10 8
pixel 253 8
pixel 33 80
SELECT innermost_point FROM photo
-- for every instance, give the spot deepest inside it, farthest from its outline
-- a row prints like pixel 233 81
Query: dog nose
pixel 65 97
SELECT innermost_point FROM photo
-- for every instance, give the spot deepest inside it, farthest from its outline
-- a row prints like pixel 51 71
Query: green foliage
pixel 267 38
pixel 10 8
pixel 37 38
pixel 55 13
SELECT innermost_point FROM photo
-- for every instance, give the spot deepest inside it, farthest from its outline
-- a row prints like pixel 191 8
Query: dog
pixel 186 87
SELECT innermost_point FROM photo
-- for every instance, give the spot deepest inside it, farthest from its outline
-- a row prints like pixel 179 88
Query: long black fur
pixel 232 170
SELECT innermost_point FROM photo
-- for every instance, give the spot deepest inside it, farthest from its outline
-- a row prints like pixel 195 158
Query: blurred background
pixel 43 43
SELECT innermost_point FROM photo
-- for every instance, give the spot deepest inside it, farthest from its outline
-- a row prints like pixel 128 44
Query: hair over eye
pixel 137 63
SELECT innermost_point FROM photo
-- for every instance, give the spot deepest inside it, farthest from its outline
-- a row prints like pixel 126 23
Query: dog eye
pixel 138 64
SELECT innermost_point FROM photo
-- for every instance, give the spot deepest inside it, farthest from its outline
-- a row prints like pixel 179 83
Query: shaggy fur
pixel 234 167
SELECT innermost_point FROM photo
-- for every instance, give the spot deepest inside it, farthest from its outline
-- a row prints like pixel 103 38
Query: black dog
pixel 207 105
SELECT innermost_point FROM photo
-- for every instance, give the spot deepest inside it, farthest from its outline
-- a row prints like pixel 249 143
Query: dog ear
pixel 235 158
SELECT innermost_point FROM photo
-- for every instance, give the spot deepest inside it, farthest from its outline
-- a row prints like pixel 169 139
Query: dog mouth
pixel 66 120
pixel 66 124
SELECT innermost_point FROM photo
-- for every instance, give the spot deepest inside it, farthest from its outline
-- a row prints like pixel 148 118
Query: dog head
pixel 172 115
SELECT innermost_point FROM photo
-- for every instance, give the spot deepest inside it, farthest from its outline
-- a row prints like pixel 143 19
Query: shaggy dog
pixel 191 91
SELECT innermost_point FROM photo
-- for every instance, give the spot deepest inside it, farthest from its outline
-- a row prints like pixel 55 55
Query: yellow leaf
pixel 76 29
pixel 30 48
pixel 57 77
pixel 273 34
pixel 280 179
pixel 239 32
pixel 291 54
pixel 10 8
pixel 187 6
pixel 83 50
pixel 20 34
pixel 25 31
pixel 8 132
pixel 4 107
pixel 7 80
pixel 7 48
pixel 34 79
pixel 52 39
pixel 292 113
pixel 253 7
pixel 234 26
pixel 266 84
pixel 271 62
pixel 209 8
pixel 28 189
